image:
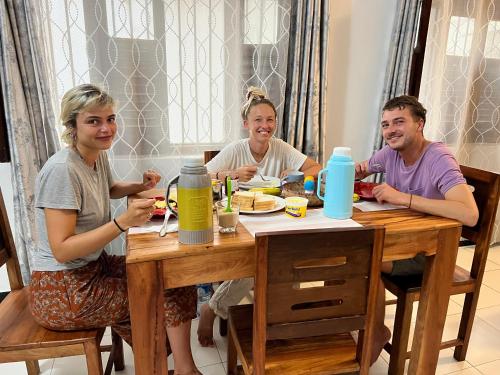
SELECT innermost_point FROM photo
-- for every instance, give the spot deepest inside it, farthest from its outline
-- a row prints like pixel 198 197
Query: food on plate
pixel 364 189
pixel 160 203
pixel 267 190
pixel 355 197
pixel 263 203
pixel 244 200
pixel 253 201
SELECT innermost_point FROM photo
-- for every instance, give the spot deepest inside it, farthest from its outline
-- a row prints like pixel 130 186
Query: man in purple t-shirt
pixel 420 175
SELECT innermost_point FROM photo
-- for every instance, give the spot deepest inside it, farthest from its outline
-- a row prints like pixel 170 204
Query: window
pixel 131 19
pixel 178 68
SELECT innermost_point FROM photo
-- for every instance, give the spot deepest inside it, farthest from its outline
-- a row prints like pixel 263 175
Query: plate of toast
pixel 256 202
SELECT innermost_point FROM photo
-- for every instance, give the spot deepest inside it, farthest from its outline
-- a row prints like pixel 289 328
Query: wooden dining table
pixel 155 263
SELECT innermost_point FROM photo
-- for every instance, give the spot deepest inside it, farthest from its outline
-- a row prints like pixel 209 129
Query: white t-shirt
pixel 279 156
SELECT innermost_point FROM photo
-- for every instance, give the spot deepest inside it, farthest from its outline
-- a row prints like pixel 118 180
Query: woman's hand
pixel 246 172
pixel 139 211
pixel 150 178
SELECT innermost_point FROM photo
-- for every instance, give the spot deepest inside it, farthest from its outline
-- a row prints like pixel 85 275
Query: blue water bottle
pixel 339 184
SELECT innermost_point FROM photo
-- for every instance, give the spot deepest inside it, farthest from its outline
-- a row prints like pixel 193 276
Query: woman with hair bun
pixel 260 153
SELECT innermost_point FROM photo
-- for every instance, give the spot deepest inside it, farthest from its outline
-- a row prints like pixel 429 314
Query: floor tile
pixel 492 279
pixel 379 367
pixel 487 297
pixel 490 368
pixel 468 371
pixel 465 256
pixel 216 369
pixel 491 315
pixel 19 368
pixel 75 365
pixel 484 345
pixel 494 254
pixel 203 356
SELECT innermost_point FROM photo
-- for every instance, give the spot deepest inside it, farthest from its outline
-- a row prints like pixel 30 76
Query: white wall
pixel 6 185
pixel 360 33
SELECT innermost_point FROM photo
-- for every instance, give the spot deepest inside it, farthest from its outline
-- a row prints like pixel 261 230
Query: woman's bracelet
pixel 118 225
pixel 411 197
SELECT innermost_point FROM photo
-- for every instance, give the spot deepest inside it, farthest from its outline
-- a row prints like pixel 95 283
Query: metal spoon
pixel 163 229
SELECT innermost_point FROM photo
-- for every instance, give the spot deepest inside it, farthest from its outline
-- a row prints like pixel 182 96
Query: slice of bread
pixel 263 203
pixel 244 199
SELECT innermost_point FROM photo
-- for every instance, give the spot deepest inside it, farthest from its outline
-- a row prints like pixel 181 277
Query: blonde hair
pixel 255 96
pixel 77 100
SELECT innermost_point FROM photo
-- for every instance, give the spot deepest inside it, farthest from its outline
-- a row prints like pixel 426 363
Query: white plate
pixel 258 182
pixel 280 204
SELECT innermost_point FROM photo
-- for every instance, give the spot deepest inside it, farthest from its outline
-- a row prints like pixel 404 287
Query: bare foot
pixel 206 326
pixel 378 344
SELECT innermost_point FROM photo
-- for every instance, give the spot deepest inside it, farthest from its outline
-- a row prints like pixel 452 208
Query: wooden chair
pixel 407 289
pixel 299 329
pixel 209 155
pixel 22 339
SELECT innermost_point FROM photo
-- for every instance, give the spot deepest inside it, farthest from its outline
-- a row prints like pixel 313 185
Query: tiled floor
pixel 483 356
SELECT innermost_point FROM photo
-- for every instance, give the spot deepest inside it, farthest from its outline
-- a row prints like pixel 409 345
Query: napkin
pixel 154 226
pixel 375 206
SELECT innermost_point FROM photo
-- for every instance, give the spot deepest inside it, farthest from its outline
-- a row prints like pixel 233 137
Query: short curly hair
pixel 77 100
pixel 406 101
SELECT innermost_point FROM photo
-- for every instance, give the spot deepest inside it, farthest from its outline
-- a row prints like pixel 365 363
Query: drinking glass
pixel 227 220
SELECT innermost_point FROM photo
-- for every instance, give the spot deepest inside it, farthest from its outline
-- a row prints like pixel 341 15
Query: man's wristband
pixel 118 225
pixel 411 197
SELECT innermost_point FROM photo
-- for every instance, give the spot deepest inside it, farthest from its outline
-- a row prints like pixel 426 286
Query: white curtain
pixel 461 82
pixel 179 69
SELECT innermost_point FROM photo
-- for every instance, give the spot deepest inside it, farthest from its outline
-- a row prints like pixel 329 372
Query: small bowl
pixel 296 189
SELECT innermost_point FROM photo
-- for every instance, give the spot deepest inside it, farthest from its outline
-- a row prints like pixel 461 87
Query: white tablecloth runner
pixel 278 221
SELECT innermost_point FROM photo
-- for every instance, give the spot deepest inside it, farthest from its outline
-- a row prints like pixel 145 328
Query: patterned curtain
pixel 460 82
pixel 306 78
pixel 179 69
pixel 398 67
pixel 29 115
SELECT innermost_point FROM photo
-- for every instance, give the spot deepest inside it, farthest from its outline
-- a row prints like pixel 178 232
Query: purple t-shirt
pixel 431 176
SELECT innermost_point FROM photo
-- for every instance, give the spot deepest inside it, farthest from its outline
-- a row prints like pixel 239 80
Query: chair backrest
pixel 486 193
pixel 209 155
pixel 348 259
pixel 8 254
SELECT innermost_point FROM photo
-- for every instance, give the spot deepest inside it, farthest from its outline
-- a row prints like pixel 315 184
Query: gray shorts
pixel 407 267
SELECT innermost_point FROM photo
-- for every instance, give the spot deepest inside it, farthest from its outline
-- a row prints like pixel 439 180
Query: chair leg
pixel 93 357
pixel 231 355
pixel 118 357
pixel 466 322
pixel 401 333
pixel 222 327
pixel 32 367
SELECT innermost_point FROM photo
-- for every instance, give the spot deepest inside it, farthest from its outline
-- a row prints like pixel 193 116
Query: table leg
pixel 147 315
pixel 433 303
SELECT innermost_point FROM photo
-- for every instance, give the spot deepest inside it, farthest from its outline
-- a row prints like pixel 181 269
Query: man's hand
pixel 361 170
pixel 150 178
pixel 386 193
pixel 246 172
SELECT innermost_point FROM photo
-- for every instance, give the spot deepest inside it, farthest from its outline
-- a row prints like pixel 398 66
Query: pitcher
pixel 339 184
pixel 194 203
